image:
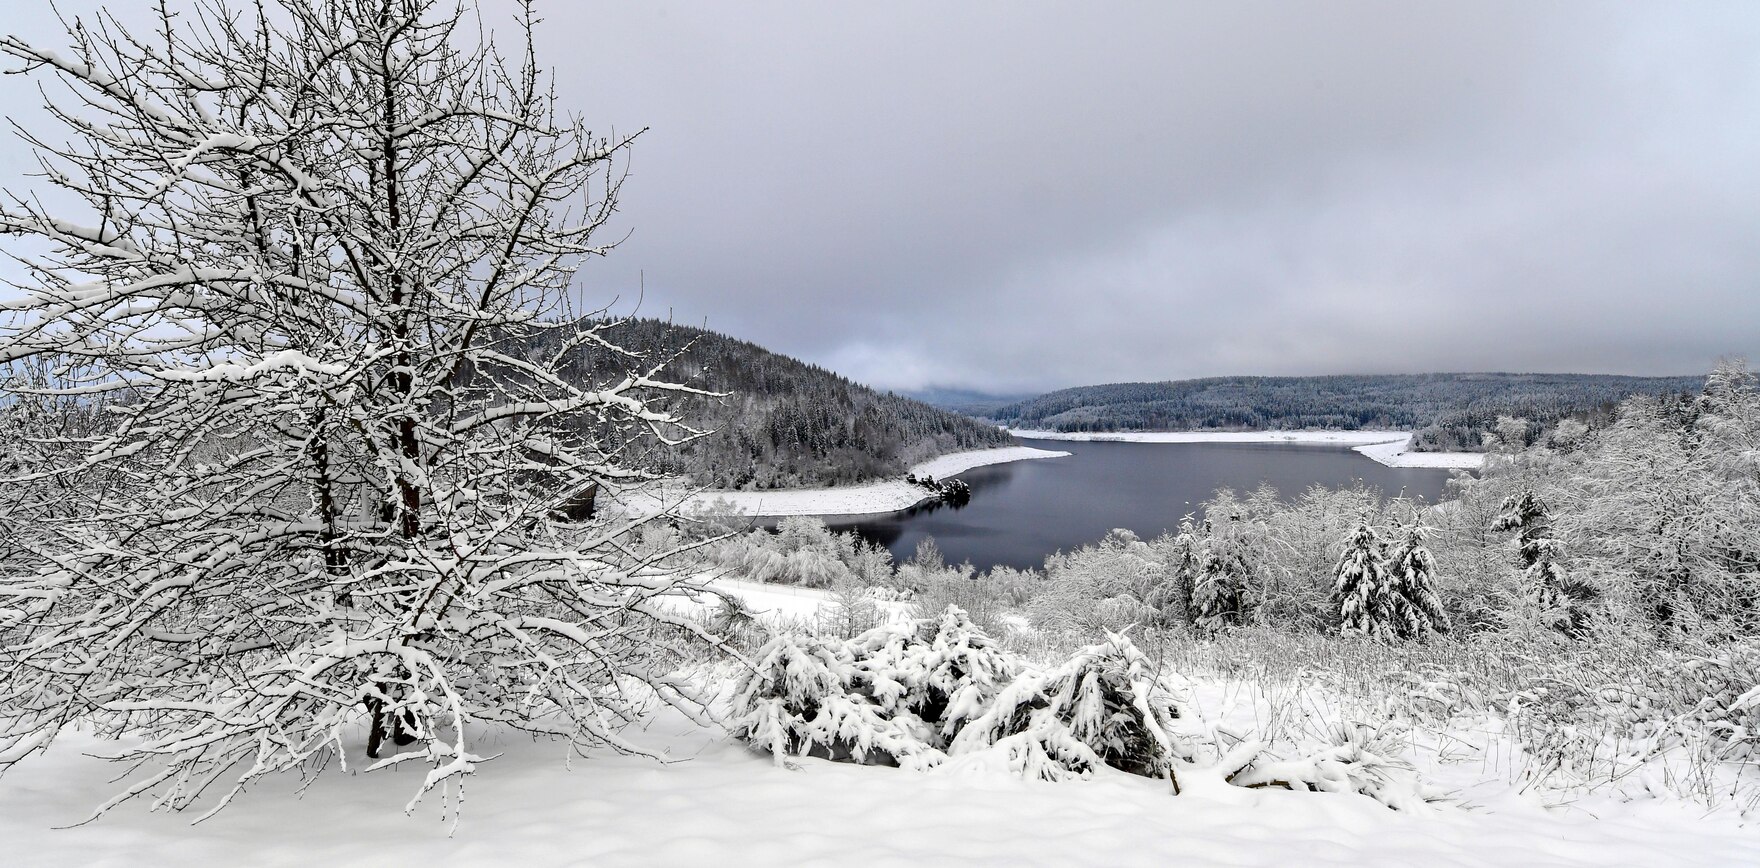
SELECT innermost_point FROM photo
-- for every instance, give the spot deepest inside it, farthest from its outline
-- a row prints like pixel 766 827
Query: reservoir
pixel 1024 510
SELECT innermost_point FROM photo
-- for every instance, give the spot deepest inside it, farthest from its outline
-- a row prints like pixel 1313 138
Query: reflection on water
pixel 1022 511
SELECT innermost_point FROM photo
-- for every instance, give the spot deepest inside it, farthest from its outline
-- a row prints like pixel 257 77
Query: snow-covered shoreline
pixel 874 497
pixel 1394 454
pixel 1384 447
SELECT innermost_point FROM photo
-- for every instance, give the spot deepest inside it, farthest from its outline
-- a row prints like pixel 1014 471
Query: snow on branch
pixel 294 473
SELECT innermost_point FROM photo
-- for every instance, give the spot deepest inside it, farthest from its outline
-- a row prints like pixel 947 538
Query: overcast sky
pixel 1023 196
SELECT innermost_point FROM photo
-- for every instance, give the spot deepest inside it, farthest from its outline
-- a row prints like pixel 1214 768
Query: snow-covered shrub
pixel 890 670
pixel 802 551
pixel 927 566
pixel 798 701
pixel 964 669
pixel 851 611
pixel 897 693
pixel 735 622
pixel 1083 589
pixel 985 600
pixel 933 675
pixel 1015 588
pixel 1105 706
pixel 1362 759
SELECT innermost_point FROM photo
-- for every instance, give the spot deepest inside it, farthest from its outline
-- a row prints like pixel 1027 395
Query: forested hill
pixel 1448 410
pixel 786 423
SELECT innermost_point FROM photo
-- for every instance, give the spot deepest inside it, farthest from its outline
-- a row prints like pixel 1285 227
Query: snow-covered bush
pixel 964 669
pixel 1105 706
pixel 985 599
pixel 897 693
pixel 852 610
pixel 799 701
pixel 1361 759
pixel 803 551
pixel 926 566
pixel 1104 586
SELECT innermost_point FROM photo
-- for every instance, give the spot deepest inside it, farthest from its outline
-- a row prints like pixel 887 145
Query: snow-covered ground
pixel 1386 447
pixel 875 497
pixel 718 802
pixel 782 605
pixel 722 804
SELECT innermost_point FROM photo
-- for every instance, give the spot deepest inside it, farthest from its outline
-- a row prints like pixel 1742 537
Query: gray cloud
pixel 1030 195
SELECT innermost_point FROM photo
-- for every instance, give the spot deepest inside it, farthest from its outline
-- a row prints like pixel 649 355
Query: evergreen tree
pixel 1173 598
pixel 1362 587
pixel 1417 610
pixel 1220 596
pixel 1561 599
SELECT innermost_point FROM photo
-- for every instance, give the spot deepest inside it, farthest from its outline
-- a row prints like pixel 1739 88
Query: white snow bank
pixel 787 605
pixel 874 497
pixel 1395 455
pixel 1386 447
pixel 727 806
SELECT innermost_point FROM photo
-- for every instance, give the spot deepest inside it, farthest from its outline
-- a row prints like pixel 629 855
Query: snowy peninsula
pixel 891 495
pixel 1385 447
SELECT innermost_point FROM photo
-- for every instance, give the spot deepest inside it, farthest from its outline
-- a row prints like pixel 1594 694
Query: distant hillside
pixel 1449 411
pixel 967 401
pixel 787 423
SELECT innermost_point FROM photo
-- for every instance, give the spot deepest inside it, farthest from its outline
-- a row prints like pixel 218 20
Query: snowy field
pixel 1385 447
pixel 718 802
pixel 721 804
pixel 875 497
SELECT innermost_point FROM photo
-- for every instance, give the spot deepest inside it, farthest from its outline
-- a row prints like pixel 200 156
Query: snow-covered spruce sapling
pixel 964 669
pixel 1411 573
pixel 1221 595
pixel 1172 598
pixel 1104 706
pixel 329 495
pixel 1361 587
pixel 801 699
pixel 1560 599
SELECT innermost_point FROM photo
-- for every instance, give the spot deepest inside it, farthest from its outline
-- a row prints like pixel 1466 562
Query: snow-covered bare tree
pixel 301 251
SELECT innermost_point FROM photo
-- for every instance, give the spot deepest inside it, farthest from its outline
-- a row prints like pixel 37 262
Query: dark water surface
pixel 1024 510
